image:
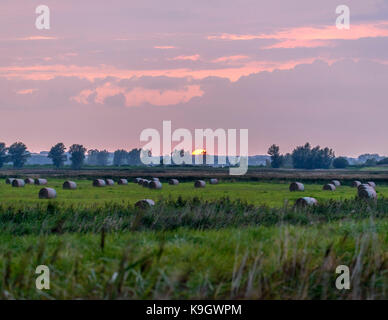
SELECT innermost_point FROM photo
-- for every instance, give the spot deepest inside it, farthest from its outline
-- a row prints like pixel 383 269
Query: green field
pixel 258 193
pixel 234 240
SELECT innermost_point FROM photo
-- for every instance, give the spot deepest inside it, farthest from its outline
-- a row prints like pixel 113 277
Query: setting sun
pixel 199 152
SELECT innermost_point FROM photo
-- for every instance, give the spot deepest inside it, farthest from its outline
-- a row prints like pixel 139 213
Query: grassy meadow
pixel 234 240
pixel 273 194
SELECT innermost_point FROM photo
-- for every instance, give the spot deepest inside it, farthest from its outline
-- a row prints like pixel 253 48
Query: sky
pixel 105 71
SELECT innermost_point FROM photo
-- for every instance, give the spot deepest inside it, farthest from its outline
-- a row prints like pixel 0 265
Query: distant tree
pixel 383 161
pixel 92 157
pixel 276 157
pixel 57 155
pixel 77 152
pixel 120 157
pixel 134 157
pixel 102 158
pixel 305 157
pixel 3 154
pixel 18 154
pixel 340 163
pixel 370 162
pixel 287 160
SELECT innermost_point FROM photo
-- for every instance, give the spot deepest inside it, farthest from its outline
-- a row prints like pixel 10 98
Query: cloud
pixel 230 58
pixel 34 38
pixel 194 57
pixel 164 47
pixel 26 91
pixel 92 73
pixel 138 96
pixel 311 36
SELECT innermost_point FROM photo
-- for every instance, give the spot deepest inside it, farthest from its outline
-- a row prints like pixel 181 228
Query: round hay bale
pixel 47 193
pixel 40 182
pixel 364 186
pixel 136 180
pixel 155 185
pixel 173 182
pixel 144 204
pixel 122 181
pixel 99 183
pixel 356 184
pixel 154 179
pixel 109 182
pixel 213 181
pixel 69 185
pixel 336 183
pixel 367 192
pixel 141 181
pixel 146 183
pixel 329 187
pixel 29 181
pixel 306 202
pixel 296 186
pixel 18 183
pixel 372 184
pixel 9 180
pixel 199 184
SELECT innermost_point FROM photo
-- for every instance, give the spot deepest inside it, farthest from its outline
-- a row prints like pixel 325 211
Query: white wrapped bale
pixel 356 184
pixel 145 204
pixel 296 186
pixel 29 181
pixel 155 185
pixel 122 181
pixel 9 180
pixel 329 187
pixel 40 182
pixel 146 183
pixel 18 183
pixel 173 182
pixel 199 184
pixel 109 182
pixel 99 183
pixel 47 193
pixel 367 192
pixel 306 202
pixel 372 184
pixel 69 185
pixel 213 181
pixel 336 183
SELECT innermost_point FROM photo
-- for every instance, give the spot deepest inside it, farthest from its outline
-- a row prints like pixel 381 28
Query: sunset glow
pixel 199 152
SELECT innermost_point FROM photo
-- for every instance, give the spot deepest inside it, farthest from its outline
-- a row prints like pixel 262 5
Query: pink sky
pixel 104 72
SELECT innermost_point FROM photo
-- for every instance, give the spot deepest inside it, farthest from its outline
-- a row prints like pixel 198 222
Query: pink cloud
pixel 139 96
pixel 164 47
pixel 230 58
pixel 290 44
pixel 26 91
pixel 32 38
pixel 48 72
pixel 194 57
pixel 308 36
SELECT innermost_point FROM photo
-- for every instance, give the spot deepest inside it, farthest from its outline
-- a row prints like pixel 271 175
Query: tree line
pixel 18 154
pixel 306 157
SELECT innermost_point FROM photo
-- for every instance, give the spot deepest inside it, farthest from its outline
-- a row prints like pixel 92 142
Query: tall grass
pixel 287 262
pixel 56 218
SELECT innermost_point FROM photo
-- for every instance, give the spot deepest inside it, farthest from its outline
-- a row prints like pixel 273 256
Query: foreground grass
pixel 235 240
pixel 272 194
pixel 279 262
